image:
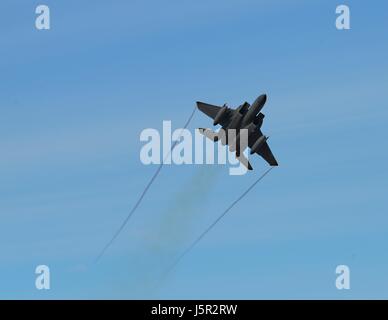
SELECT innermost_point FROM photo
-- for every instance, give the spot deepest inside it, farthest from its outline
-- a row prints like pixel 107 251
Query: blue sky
pixel 74 100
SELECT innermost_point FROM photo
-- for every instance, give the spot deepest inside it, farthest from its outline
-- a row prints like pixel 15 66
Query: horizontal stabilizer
pixel 208 133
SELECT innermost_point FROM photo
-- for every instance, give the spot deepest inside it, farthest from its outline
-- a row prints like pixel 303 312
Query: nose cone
pixel 258 104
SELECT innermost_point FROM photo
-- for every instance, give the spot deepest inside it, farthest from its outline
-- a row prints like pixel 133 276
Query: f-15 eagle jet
pixel 244 117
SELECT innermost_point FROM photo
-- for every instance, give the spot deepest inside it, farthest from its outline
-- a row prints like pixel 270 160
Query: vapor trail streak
pixel 142 194
pixel 217 220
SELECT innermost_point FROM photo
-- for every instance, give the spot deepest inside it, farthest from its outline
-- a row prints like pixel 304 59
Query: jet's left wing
pixel 264 150
pixel 212 111
pixel 208 109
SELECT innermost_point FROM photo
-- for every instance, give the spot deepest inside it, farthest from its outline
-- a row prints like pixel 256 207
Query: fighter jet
pixel 246 116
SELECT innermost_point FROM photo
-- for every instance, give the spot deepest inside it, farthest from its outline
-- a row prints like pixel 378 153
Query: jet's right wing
pixel 264 150
pixel 266 153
